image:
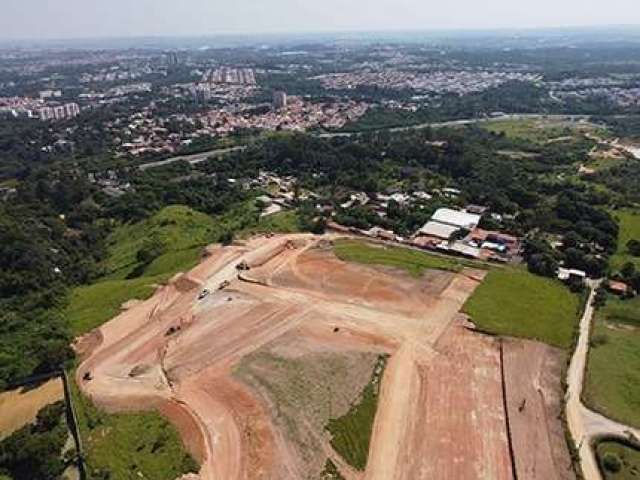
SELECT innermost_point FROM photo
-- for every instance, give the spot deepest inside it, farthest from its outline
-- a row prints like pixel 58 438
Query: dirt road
pixel 587 426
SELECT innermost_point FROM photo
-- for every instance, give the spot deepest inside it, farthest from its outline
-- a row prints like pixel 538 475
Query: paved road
pixel 453 123
pixel 585 425
pixel 194 158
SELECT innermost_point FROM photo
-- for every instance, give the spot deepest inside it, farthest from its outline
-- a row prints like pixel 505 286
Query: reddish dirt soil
pixel 441 410
pixel 533 381
pixel 183 419
pixel 460 405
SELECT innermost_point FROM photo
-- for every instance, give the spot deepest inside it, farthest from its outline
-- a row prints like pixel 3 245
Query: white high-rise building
pixel 72 110
pixel 279 99
pixel 59 112
pixel 46 113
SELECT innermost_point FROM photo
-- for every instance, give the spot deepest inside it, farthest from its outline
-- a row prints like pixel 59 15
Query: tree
pixel 35 450
pixel 634 247
pixel 611 463
pixel 572 240
pixel 576 285
pixel 226 238
pixel 319 226
pixel 600 300
pixel 628 270
pixel 543 264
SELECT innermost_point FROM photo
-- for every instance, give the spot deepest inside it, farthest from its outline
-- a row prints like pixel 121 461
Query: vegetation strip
pixel 351 433
pixel 412 261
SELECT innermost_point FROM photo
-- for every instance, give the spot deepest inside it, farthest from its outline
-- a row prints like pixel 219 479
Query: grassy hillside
pixel 132 445
pixel 283 222
pixel 517 303
pixel 181 231
pixel 90 306
pixel 613 372
pixel 629 221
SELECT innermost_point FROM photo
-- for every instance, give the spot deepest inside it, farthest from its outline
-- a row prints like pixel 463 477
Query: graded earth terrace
pixel 275 359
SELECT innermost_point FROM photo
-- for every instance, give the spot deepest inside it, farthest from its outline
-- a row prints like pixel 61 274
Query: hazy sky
pixel 99 18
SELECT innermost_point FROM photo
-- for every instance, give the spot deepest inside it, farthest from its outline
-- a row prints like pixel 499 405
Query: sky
pixel 55 19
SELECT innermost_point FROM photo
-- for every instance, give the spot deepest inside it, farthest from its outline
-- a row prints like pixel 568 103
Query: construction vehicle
pixel 243 266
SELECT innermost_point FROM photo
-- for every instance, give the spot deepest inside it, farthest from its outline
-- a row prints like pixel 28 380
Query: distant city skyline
pixel 49 19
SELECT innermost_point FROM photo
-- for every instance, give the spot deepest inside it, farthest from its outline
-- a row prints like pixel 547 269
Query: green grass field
pixel 532 130
pixel 517 303
pixel 628 458
pixel 351 433
pixel 130 446
pixel 283 222
pixel 629 221
pixel 413 261
pixel 619 311
pixel 612 384
pixel 541 130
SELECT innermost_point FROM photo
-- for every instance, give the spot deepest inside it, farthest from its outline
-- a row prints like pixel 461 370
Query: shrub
pixel 599 340
pixel 634 247
pixel 611 463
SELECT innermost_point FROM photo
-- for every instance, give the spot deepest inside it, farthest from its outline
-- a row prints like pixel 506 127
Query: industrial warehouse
pixel 457 232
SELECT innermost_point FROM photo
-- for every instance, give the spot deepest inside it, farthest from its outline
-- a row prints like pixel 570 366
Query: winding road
pixel 587 426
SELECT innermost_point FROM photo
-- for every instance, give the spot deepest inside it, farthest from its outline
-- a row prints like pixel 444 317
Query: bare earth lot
pixel 19 407
pixel 252 373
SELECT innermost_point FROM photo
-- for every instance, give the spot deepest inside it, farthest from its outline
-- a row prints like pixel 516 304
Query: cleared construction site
pixel 256 351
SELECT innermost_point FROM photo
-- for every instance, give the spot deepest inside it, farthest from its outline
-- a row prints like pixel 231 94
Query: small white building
pixel 565 274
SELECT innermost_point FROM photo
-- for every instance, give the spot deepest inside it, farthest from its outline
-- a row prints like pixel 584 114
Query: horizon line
pixel 314 32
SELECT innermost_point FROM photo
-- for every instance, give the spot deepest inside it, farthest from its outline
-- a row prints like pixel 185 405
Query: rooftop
pixel 456 218
pixel 439 230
